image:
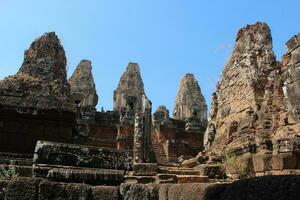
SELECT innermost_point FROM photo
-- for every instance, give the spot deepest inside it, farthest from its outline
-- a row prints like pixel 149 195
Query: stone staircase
pixel 184 175
pixel 160 155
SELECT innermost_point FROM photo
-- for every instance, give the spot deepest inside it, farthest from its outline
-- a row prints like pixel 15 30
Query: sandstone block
pixel 55 190
pixel 105 193
pixel 262 162
pixel 145 169
pixel 51 153
pixel 284 161
pixel 192 179
pixel 22 188
pixel 210 170
pixel 139 191
pixel 190 163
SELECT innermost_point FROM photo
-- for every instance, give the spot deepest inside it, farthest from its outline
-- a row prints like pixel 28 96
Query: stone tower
pixel 40 83
pixel 130 91
pixel 190 102
pixel 242 104
pixel 83 91
pixel 82 84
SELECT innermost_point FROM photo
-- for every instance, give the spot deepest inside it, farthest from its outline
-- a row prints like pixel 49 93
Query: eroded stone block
pixel 54 190
pixel 52 153
pixel 145 169
pixel 139 191
pixel 210 170
pixel 262 162
pixel 91 176
pixel 284 161
pixel 105 193
pixel 22 188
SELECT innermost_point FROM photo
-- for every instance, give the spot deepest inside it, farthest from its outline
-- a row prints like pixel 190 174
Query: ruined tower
pixel 190 103
pixel 242 89
pixel 40 83
pixel 83 91
pixel 128 95
pixel 82 84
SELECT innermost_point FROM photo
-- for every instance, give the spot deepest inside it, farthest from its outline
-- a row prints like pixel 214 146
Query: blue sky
pixel 168 38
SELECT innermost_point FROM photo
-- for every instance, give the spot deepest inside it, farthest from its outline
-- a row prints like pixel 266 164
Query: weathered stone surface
pixel 128 95
pixel 139 191
pixel 291 69
pixel 161 116
pixel 20 132
pixel 190 162
pixel 267 187
pixel 3 185
pixel 145 169
pixel 93 176
pixel 51 153
pixel 138 144
pixel 105 193
pixel 190 102
pixel 246 107
pixel 210 170
pixel 41 82
pixel 82 84
pixel 84 93
pixel 192 179
pixel 284 161
pixel 54 190
pixel 201 191
pixel 166 178
pixel 262 162
pixel 22 188
pixel 139 179
pixel 256 104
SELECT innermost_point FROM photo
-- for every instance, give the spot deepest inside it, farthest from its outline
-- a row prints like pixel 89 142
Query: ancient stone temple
pixel 61 147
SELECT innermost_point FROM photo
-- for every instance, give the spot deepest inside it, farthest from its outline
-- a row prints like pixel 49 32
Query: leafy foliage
pixel 9 173
pixel 236 164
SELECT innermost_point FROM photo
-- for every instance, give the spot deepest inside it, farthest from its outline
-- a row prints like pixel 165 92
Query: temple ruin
pixel 61 147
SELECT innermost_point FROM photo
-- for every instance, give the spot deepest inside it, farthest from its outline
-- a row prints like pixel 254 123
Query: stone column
pixel 138 145
pixel 147 105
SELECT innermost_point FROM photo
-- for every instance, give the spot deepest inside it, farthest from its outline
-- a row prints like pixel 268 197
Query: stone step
pixel 87 175
pixel 213 171
pixel 16 159
pixel 159 153
pixel 184 172
pixel 139 179
pixel 178 171
pixel 165 178
pixel 192 179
